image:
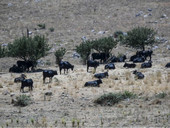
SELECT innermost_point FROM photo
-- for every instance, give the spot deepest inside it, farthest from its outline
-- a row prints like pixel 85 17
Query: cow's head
pixel 99 81
pixel 72 67
pixel 55 72
pixel 125 65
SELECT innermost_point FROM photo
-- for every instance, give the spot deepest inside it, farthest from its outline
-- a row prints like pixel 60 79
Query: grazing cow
pixel 129 65
pixel 26 83
pixel 91 63
pixel 65 65
pixel 109 66
pixel 147 64
pixel 139 60
pixel 94 83
pixel 139 75
pixel 49 73
pixel 16 69
pixel 102 56
pixel 145 54
pixel 20 79
pixel 101 75
pixel 167 65
pixel 26 65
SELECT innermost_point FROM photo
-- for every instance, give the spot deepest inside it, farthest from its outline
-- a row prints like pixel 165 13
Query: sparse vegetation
pixel 161 95
pixel 51 29
pixel 41 26
pixel 105 44
pixel 139 37
pixel 84 49
pixel 59 55
pixel 3 51
pixel 29 48
pixel 22 100
pixel 113 98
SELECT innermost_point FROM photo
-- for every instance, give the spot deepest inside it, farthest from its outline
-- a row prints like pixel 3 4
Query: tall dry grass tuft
pixel 10 83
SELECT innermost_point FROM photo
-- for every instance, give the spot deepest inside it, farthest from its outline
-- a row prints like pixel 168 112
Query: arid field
pixel 71 101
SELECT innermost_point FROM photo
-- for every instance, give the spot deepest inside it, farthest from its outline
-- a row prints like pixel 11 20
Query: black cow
pixel 109 66
pixel 145 54
pixel 65 65
pixel 129 65
pixel 167 65
pixel 91 63
pixel 26 65
pixel 147 64
pixel 133 57
pixel 26 83
pixel 139 60
pixel 102 56
pixel 20 79
pixel 118 59
pixel 94 83
pixel 16 69
pixel 139 75
pixel 101 75
pixel 49 73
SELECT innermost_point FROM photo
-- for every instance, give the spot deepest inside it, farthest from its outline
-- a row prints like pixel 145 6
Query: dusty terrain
pixel 71 20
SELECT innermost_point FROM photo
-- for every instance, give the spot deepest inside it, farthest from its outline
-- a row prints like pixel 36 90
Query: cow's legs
pixel 87 68
pixel 60 70
pixel 43 79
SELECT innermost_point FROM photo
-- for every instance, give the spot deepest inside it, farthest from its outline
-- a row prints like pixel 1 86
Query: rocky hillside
pixel 74 19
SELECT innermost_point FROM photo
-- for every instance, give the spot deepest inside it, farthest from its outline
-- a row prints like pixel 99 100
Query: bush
pixel 104 44
pixel 3 51
pixel 139 37
pixel 42 26
pixel 22 100
pixel 113 98
pixel 29 48
pixel 161 95
pixel 84 49
pixel 51 29
pixel 59 55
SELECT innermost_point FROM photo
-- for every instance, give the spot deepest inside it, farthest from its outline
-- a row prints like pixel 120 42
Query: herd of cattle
pixel 139 57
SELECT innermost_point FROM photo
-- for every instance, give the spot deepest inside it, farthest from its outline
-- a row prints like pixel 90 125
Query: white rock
pixel 10 4
pixel 101 32
pixel 145 16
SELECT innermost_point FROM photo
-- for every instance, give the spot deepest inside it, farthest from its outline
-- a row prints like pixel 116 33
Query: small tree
pixel 139 37
pixel 59 55
pixel 29 48
pixel 105 44
pixel 3 51
pixel 84 49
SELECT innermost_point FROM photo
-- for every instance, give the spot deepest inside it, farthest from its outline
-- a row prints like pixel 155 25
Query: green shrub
pixel 51 29
pixel 29 48
pixel 84 49
pixel 59 55
pixel 104 44
pixel 113 98
pixel 3 51
pixel 42 26
pixel 139 37
pixel 161 95
pixel 22 100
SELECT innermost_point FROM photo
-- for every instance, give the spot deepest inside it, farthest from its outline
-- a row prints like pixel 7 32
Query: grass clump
pixel 113 98
pixel 51 29
pixel 22 100
pixel 161 95
pixel 42 26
